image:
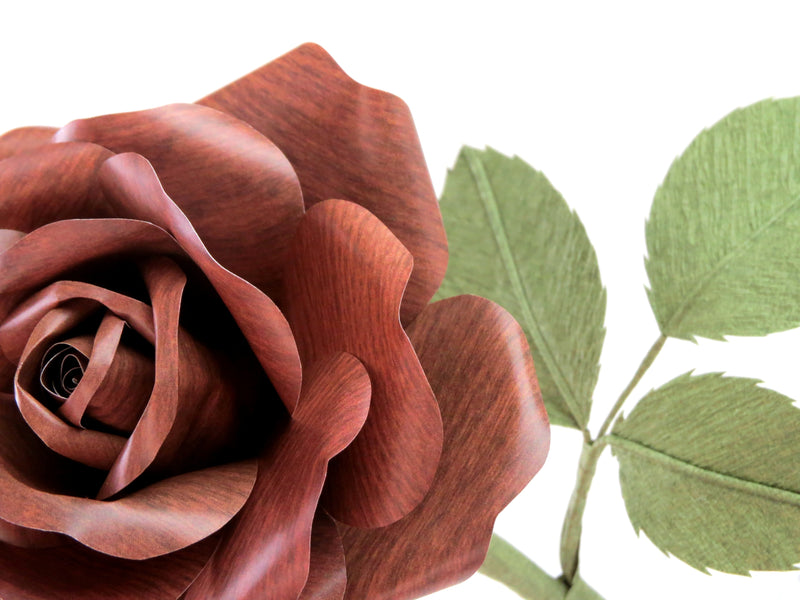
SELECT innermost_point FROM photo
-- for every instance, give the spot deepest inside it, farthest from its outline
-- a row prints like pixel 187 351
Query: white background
pixel 600 96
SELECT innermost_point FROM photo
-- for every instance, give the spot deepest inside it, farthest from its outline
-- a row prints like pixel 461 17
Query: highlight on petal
pixel 235 186
pixel 264 554
pixel 24 139
pixel 496 439
pixel 134 190
pixel 58 181
pixel 347 141
pixel 74 571
pixel 167 516
pixel 344 283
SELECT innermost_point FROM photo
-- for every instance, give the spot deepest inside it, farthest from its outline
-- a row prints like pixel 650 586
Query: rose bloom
pixel 220 374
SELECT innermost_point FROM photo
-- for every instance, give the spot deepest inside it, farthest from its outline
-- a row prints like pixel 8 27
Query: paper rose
pixel 206 391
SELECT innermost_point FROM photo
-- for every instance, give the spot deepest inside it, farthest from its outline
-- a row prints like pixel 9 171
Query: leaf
pixel 580 590
pixel 709 471
pixel 722 237
pixel 514 240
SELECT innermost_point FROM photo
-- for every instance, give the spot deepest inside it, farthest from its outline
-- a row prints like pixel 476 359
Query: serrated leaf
pixel 709 470
pixel 514 240
pixel 723 237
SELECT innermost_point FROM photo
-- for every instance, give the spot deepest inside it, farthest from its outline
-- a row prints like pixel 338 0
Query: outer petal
pixel 348 141
pixel 23 139
pixel 496 439
pixel 133 188
pixel 161 518
pixel 236 187
pixel 343 290
pixel 327 573
pixel 265 554
pixel 73 571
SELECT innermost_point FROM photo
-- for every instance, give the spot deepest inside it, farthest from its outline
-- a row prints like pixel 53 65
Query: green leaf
pixel 580 590
pixel 514 240
pixel 723 237
pixel 709 470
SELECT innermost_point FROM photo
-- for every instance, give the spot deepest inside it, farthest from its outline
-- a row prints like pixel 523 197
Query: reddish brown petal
pixel 75 572
pixel 56 182
pixel 347 141
pixel 29 538
pixel 343 290
pixel 96 449
pixel 132 185
pixel 236 187
pixel 24 139
pixel 161 518
pixel 9 237
pixel 264 555
pixel 496 439
pixel 327 573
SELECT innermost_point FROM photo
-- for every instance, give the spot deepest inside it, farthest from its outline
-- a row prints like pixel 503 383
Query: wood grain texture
pixel 265 554
pixel 348 141
pixel 344 283
pixel 496 439
pixel 74 571
pixel 237 189
pixel 132 187
pixel 327 572
pixel 24 139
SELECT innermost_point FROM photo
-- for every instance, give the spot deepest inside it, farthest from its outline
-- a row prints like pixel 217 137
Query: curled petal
pixel 496 439
pixel 57 182
pixel 327 572
pixel 343 289
pixel 133 187
pixel 24 139
pixel 264 555
pixel 74 571
pixel 161 518
pixel 348 141
pixel 235 186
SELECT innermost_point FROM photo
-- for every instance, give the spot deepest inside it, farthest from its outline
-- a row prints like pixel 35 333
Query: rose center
pixel 62 369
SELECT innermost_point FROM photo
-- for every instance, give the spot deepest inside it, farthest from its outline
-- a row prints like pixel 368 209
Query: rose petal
pixel 348 141
pixel 161 518
pixel 131 184
pixel 29 538
pixel 24 139
pixel 327 573
pixel 235 186
pixel 496 439
pixel 56 182
pixel 343 289
pixel 77 572
pixel 264 555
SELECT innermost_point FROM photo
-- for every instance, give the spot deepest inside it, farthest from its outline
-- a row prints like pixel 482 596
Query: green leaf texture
pixel 723 237
pixel 514 240
pixel 709 470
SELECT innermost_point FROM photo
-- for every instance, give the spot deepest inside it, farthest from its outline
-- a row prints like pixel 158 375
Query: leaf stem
pixel 646 363
pixel 506 564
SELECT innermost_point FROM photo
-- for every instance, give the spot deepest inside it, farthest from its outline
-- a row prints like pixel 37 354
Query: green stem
pixel 509 566
pixel 637 377
pixel 573 521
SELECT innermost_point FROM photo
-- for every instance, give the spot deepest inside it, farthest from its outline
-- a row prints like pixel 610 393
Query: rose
pixel 158 430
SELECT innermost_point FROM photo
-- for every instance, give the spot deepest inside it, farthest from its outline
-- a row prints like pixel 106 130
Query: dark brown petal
pixel 496 439
pixel 161 518
pixel 95 449
pixel 76 572
pixel 264 555
pixel 131 184
pixel 327 573
pixel 55 182
pixel 236 187
pixel 24 139
pixel 344 283
pixel 30 538
pixel 348 141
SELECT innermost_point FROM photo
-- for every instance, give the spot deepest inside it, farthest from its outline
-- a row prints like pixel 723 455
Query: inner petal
pixel 63 366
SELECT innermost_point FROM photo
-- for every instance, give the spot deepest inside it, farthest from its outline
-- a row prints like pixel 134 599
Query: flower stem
pixel 509 566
